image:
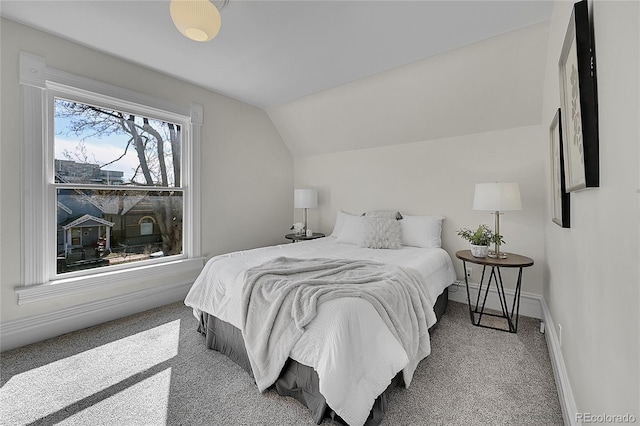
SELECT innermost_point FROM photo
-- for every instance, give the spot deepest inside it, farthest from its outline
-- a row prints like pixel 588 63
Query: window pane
pixel 98 228
pixel 95 145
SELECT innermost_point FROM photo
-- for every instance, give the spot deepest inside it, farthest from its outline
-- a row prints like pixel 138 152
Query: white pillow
pixel 382 233
pixel 340 215
pixel 352 230
pixel 422 231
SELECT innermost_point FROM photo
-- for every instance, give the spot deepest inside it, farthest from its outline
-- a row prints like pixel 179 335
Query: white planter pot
pixel 479 251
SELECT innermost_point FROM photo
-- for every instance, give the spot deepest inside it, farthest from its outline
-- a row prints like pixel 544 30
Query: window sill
pixel 65 287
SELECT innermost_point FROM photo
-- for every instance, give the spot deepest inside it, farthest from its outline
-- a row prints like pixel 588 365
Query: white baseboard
pixel 529 302
pixel 23 331
pixel 565 394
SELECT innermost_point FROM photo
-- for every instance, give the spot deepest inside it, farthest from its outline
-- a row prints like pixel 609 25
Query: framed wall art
pixel 560 203
pixel 579 103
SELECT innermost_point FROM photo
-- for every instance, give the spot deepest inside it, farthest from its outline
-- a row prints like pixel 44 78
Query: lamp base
pixel 493 255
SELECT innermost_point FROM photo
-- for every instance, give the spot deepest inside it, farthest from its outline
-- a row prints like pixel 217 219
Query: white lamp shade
pixel 497 197
pixel 198 20
pixel 305 198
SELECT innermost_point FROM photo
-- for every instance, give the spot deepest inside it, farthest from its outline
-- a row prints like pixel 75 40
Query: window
pixel 146 225
pixel 116 174
pixel 118 190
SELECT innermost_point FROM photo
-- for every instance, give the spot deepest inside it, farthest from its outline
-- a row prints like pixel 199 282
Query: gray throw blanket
pixel 280 297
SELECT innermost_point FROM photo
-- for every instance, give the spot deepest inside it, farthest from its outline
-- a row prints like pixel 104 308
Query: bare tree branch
pixel 126 148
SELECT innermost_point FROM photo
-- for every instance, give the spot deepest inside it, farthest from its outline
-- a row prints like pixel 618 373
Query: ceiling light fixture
pixel 198 20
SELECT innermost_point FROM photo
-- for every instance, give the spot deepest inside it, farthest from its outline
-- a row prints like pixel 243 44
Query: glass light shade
pixel 305 198
pixel 497 197
pixel 198 20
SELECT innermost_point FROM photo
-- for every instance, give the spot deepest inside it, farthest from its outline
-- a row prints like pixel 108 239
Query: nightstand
pixel 295 238
pixel 495 277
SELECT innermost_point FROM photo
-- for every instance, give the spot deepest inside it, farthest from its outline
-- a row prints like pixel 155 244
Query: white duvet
pixel 348 344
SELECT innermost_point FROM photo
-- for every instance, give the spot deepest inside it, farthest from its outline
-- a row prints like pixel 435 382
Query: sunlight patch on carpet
pixel 144 403
pixel 45 390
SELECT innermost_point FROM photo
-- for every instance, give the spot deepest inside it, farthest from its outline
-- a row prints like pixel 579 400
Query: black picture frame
pixel 560 199
pixel 579 103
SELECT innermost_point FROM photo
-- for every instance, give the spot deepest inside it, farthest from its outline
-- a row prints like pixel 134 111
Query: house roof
pixel 87 221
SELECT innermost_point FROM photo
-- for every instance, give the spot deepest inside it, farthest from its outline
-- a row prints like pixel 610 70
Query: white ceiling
pixel 269 53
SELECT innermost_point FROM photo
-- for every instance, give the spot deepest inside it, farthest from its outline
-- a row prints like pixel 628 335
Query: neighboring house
pixel 93 223
pixel 135 227
pixel 72 206
pixel 83 219
pixel 85 231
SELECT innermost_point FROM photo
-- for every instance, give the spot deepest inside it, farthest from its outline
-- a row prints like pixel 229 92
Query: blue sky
pixel 99 150
pixel 103 150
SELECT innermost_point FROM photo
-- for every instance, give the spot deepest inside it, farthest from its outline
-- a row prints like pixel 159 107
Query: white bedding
pixel 348 344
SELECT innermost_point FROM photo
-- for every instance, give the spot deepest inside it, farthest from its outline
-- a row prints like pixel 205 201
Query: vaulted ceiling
pixel 290 57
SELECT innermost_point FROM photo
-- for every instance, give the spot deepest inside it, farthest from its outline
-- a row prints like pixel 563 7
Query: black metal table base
pixel 495 277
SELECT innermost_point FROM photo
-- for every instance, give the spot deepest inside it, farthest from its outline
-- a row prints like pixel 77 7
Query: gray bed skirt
pixel 296 380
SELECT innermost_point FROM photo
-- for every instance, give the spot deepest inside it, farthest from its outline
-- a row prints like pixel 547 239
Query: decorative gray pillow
pixel 383 213
pixel 382 233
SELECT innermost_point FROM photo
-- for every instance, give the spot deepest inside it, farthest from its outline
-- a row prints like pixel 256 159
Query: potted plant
pixel 298 228
pixel 480 239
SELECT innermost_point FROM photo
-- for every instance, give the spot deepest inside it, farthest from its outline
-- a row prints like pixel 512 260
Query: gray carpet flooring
pixel 153 369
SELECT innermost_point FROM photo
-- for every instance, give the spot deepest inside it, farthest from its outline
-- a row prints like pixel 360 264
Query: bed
pixel 347 357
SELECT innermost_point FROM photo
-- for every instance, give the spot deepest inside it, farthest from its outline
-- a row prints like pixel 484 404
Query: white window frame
pixel 39 280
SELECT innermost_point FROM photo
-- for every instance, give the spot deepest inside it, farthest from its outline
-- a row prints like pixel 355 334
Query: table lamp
pixel 497 197
pixel 305 199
